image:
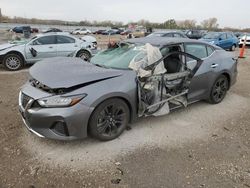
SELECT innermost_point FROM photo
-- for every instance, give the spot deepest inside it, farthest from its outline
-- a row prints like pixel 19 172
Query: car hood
pixel 6 46
pixel 68 72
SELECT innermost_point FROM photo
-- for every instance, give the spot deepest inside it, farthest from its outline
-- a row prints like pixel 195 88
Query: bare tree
pixel 210 24
pixel 187 24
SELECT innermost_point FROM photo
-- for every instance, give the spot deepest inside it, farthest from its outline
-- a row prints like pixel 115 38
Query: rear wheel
pixel 219 90
pixel 109 119
pixel 13 62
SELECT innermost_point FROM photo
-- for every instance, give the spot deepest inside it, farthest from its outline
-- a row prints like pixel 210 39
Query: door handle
pixel 214 65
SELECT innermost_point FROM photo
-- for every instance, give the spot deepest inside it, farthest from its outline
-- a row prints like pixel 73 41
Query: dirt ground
pixel 200 146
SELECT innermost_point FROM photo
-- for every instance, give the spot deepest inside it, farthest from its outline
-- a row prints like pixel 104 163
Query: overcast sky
pixel 233 13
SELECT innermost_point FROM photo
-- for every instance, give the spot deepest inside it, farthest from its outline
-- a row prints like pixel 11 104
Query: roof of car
pixel 161 41
pixel 52 33
pixel 170 31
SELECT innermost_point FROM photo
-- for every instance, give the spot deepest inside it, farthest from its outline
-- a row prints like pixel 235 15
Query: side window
pixel 229 36
pixel 168 35
pixel 210 50
pixel 46 40
pixel 223 36
pixel 64 40
pixel 197 50
pixel 177 35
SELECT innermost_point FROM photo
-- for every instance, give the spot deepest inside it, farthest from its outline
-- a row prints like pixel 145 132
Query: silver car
pixel 14 55
pixel 66 98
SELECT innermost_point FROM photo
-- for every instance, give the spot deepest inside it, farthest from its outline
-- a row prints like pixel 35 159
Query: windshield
pixel 211 36
pixel 117 57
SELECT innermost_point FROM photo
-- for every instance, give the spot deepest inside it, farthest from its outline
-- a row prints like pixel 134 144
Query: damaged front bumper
pixel 68 123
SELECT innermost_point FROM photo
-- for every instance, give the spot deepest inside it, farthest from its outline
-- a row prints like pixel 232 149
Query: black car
pixel 175 34
pixel 20 29
pixel 195 34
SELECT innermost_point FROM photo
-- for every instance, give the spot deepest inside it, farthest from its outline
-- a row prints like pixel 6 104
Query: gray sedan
pixel 67 98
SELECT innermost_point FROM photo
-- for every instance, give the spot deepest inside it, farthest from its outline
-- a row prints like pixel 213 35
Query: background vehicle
pixel 14 56
pixel 195 34
pixel 20 29
pixel 87 104
pixel 98 32
pixel 177 34
pixel 225 40
pixel 126 32
pixel 82 31
pixel 50 30
pixel 242 39
pixel 110 32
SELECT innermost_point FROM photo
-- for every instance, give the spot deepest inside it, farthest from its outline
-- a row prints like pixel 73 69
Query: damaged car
pixel 15 55
pixel 68 99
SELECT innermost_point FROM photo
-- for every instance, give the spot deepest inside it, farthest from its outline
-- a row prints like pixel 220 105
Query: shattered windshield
pixel 119 58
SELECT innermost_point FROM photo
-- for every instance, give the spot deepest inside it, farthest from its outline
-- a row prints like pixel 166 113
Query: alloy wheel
pixel 220 89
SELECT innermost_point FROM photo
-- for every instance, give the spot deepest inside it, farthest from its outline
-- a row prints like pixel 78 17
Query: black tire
pixel 83 54
pixel 233 48
pixel 109 119
pixel 219 90
pixel 13 62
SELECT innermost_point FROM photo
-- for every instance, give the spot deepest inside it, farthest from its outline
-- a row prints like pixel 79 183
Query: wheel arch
pixel 96 104
pixel 17 53
pixel 228 78
pixel 83 50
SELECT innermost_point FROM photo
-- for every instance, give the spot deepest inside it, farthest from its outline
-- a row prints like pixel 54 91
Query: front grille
pixel 24 100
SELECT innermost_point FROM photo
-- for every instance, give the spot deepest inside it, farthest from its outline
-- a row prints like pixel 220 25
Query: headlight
pixel 60 101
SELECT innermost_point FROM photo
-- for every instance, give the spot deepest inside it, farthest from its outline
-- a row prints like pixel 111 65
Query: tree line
pixel 210 24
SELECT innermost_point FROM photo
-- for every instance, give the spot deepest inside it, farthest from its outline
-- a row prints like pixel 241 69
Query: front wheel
pixel 233 48
pixel 84 55
pixel 219 90
pixel 13 62
pixel 109 119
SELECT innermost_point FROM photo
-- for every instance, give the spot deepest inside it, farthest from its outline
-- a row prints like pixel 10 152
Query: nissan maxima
pixel 67 98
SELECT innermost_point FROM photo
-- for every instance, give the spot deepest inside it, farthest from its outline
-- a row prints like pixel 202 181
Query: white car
pixel 14 55
pixel 82 31
pixel 241 42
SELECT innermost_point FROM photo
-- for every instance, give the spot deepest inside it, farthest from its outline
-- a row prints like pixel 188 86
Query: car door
pixel 66 45
pixel 40 48
pixel 230 41
pixel 199 85
pixel 223 43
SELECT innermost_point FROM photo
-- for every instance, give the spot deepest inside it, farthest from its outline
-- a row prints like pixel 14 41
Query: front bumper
pixel 68 123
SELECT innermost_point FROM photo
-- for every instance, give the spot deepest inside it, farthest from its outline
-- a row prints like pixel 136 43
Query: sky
pixel 230 13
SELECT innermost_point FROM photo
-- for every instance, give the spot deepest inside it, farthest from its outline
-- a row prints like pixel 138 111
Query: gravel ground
pixel 200 146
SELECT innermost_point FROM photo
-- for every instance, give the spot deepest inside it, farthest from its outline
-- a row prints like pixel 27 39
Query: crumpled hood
pixel 61 72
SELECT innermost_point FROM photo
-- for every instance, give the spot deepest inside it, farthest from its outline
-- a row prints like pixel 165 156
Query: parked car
pixel 98 32
pixel 126 32
pixel 195 34
pixel 243 38
pixel 110 32
pixel 82 31
pixel 14 56
pixel 34 30
pixel 60 104
pixel 137 33
pixel 20 29
pixel 225 40
pixel 51 30
pixel 177 34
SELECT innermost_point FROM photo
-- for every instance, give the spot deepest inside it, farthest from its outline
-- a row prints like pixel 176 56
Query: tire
pixel 109 119
pixel 219 90
pixel 84 55
pixel 13 62
pixel 233 48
